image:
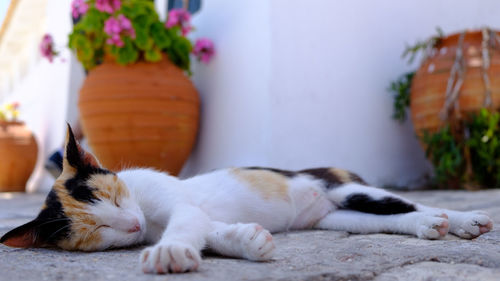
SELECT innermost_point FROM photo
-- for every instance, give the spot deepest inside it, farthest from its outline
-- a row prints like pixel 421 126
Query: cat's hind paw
pixel 432 226
pixel 175 257
pixel 471 224
pixel 257 242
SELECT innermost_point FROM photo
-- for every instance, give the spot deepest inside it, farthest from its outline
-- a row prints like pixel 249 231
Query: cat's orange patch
pixel 88 241
pixel 84 219
pixel 269 184
pixel 343 175
pixel 68 170
pixel 108 187
pixel 83 226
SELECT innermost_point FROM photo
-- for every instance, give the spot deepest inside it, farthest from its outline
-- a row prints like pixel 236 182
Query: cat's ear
pixel 24 236
pixel 74 155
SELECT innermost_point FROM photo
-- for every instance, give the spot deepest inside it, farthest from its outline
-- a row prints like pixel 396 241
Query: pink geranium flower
pixel 108 6
pixel 179 17
pixel 126 26
pixel 112 26
pixel 204 50
pixel 78 8
pixel 116 27
pixel 47 47
pixel 116 40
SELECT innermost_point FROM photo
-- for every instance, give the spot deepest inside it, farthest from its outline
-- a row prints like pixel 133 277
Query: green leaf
pixel 401 92
pixel 422 46
pixel 160 35
pixel 114 50
pixel 138 8
pixel 142 22
pixel 179 52
pixel 83 46
pixel 445 154
pixel 153 55
pixel 142 39
pixel 483 142
pixel 128 53
pixel 132 12
pixel 92 21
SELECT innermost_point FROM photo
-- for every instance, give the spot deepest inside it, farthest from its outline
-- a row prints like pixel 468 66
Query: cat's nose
pixel 135 228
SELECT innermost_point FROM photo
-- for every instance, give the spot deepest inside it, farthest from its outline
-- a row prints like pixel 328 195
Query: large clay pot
pixel 141 115
pixel 18 153
pixel 428 91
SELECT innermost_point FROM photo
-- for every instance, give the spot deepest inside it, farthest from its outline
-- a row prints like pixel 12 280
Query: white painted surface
pixel 299 84
pixel 43 92
pixel 235 86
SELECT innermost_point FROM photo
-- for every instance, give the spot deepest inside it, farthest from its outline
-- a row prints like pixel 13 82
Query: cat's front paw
pixel 175 257
pixel 256 242
pixel 470 225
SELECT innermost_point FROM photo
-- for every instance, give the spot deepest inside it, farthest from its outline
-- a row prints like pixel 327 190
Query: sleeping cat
pixel 231 211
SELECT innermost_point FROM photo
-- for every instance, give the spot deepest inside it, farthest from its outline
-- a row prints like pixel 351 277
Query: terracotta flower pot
pixel 19 151
pixel 141 115
pixel 429 85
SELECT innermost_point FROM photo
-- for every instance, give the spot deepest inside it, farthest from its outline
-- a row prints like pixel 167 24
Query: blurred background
pixel 293 84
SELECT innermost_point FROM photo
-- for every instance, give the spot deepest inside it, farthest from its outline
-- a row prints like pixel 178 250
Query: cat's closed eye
pixel 102 225
pixel 117 204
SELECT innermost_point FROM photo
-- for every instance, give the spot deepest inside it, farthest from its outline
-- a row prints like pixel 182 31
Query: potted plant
pixel 18 149
pixel 454 97
pixel 138 106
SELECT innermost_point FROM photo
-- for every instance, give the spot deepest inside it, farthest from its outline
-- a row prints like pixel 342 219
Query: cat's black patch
pixel 288 174
pixel 79 190
pixel 330 178
pixel 384 206
pixel 357 179
pixel 54 225
pixel 324 174
pixel 73 154
pixel 77 185
pixel 49 227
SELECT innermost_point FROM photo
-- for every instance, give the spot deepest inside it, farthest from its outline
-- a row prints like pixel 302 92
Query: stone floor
pixel 306 255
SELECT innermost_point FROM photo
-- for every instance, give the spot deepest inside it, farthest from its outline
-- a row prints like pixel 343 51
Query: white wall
pixel 299 84
pixel 235 86
pixel 43 93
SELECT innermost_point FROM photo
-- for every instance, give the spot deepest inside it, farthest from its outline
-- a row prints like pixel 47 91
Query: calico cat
pixel 231 211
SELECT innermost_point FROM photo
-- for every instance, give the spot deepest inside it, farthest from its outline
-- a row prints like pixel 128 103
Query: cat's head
pixel 89 208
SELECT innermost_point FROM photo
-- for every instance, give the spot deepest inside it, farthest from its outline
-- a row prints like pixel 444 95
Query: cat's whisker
pixel 54 220
pixel 60 229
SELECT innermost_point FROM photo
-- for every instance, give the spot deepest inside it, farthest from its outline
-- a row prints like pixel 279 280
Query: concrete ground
pixel 305 255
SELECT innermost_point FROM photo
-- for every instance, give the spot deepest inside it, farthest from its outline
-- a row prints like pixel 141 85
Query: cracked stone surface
pixel 305 255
